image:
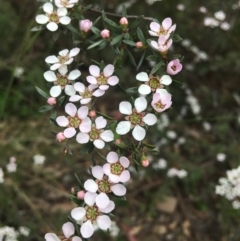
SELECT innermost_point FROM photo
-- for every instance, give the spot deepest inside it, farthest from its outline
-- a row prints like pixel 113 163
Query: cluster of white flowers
pixel 10 234
pixel 160 164
pixel 39 159
pixel 174 172
pixel 229 187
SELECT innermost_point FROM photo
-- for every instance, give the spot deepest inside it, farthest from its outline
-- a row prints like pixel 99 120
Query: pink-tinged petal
pixel 161 92
pixel 150 119
pixel 124 161
pixel 138 133
pixel 74 52
pixel 69 90
pixel 78 213
pixel 48 8
pixel 69 61
pixel 79 87
pixel 106 168
pixel 166 80
pixel 82 138
pixel 107 136
pixel 173 28
pixel 91 80
pixel 55 91
pixel 68 229
pixel 119 189
pixel 123 127
pixel 108 70
pixel 155 26
pixel 112 157
pixel 69 132
pixel 82 112
pixel 92 87
pixel 62 121
pixel 109 208
pixel 99 144
pixel 55 66
pixel 86 125
pixel 142 77
pixel 102 200
pixel 87 229
pixel 71 109
pixel 65 20
pixel 90 197
pixel 114 178
pixel 94 70
pixel 75 98
pixel 61 12
pixel 167 23
pixel 97 172
pixel 51 59
pixel 51 237
pixel 76 238
pixel 41 19
pixel 152 33
pixel 140 104
pixel 125 108
pixel 100 122
pixel 144 89
pixel 64 52
pixel 113 80
pixel 52 26
pixel 50 76
pixel 125 176
pixel 74 74
pixel 91 186
pixel 104 222
pixel 85 101
pixel 154 44
pixel 98 93
pixel 103 87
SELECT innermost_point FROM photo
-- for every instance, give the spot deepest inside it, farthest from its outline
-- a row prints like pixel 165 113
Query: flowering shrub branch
pixel 94 130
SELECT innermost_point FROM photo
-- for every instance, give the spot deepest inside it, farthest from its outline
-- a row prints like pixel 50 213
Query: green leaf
pixel 112 24
pixel 132 90
pixel 42 93
pixel 126 35
pixel 176 38
pixel 95 30
pixel 121 88
pixel 96 44
pixel 149 43
pixel 141 36
pixel 132 60
pixel 78 180
pixel 61 100
pixel 105 116
pixel 118 62
pixel 175 56
pixel 135 23
pixel 116 39
pixel 153 58
pixel 75 200
pixel 53 118
pixel 102 156
pixel 88 147
pixel 86 8
pixel 95 22
pixel 124 11
pixel 129 42
pixel 72 29
pixel 148 145
pixel 45 108
pixel 156 67
pixel 107 147
pixel 37 28
pixel 141 60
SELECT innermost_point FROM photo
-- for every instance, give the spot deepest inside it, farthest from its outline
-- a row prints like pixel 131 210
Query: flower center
pixel 92 213
pixel 104 186
pixel 116 168
pixel 63 59
pixel 74 122
pixel 86 94
pixel 159 105
pixel 102 80
pixel 94 133
pixel 63 238
pixel 154 83
pixel 62 81
pixel 173 68
pixel 53 17
pixel 163 31
pixel 135 118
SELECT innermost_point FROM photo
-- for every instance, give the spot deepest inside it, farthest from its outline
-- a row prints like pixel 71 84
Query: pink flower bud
pixel 145 162
pixel 92 113
pixel 118 141
pixel 52 101
pixel 139 45
pixel 174 67
pixel 105 33
pixel 60 137
pixel 85 25
pixel 80 194
pixel 123 21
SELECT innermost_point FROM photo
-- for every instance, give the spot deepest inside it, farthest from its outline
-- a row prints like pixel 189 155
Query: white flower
pixel 39 159
pixel 136 118
pixel 65 58
pixel 1 175
pixel 162 45
pixel 85 93
pixel 24 231
pixel 89 215
pixel 225 26
pixel 52 17
pixel 180 7
pixel 65 3
pixel 207 126
pixel 114 229
pixel 12 166
pixel 102 79
pixel 171 134
pixel 18 72
pixel 220 15
pixel 62 81
pixel 221 157
pixel 160 164
pixel 96 133
pixel 152 82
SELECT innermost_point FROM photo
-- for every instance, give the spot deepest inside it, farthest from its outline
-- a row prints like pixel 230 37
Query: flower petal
pixel 97 172
pixel 64 52
pixel 113 80
pixel 125 176
pixel 65 20
pixel 124 161
pixel 51 237
pixel 63 69
pixel 48 8
pixel 119 189
pixel 155 26
pixel 104 222
pixel 75 98
pixel 71 109
pixel 102 200
pixel 94 70
pixel 109 208
pixel 99 144
pixel 114 178
pixel 82 112
pixel 138 133
pixel 52 26
pixel 150 119
pixel 90 197
pixel 100 122
pixel 55 66
pixel 78 213
pixel 98 93
pixel 69 90
pixel 90 185
pixel 82 138
pixel 144 89
pixel 86 125
pixel 123 127
pixel 91 79
pixel 140 104
pixel 74 52
pixel 41 19
pixel 69 132
pixel 62 121
pixel 55 91
pixel 61 12
pixel 50 76
pixel 68 229
pixel 51 59
pixel 74 74
pixel 106 168
pixel 112 157
pixel 167 23
pixel 125 108
pixel 166 80
pixel 143 76
pixel 79 87
pixel 87 229
pixel 76 238
pixel 107 136
pixel 108 70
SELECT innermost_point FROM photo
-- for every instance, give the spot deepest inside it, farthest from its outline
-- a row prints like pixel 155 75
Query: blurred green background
pixel 204 121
